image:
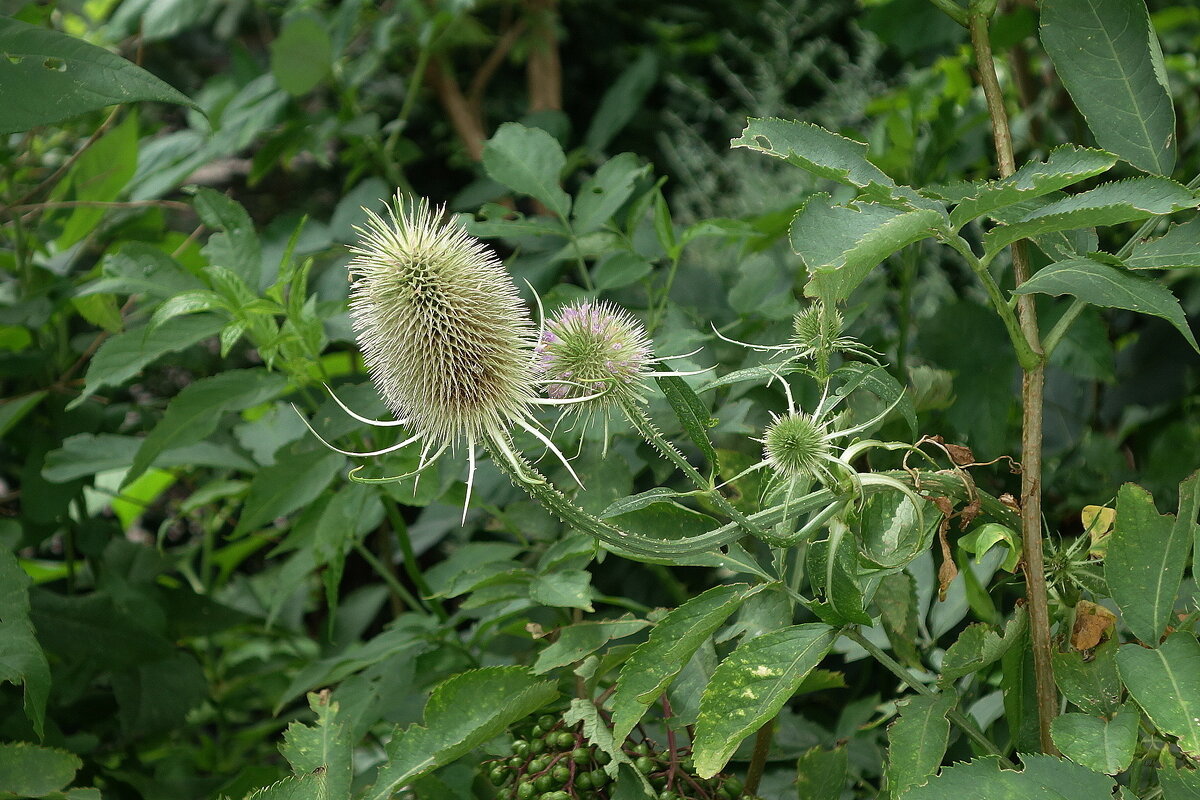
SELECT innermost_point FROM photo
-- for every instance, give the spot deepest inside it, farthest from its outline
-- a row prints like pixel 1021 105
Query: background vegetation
pixel 181 562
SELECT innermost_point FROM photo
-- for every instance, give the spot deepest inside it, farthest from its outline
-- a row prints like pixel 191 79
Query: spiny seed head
pixel 442 329
pixel 597 347
pixel 796 446
pixel 817 327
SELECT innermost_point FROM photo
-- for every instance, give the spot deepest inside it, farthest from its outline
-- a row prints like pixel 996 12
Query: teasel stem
pixel 645 427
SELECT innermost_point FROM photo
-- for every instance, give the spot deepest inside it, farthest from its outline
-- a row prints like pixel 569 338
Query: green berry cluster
pixel 551 761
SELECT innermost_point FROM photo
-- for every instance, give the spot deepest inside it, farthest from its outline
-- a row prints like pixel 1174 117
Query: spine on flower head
pixel 594 348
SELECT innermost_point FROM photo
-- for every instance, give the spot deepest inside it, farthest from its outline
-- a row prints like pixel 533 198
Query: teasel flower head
pixel 795 446
pixel 596 349
pixel 447 340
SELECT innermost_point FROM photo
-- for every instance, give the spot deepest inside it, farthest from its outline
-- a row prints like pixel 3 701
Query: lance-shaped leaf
pixel 1165 682
pixel 1110 287
pixel 1145 560
pixel 576 641
pixel 1109 204
pixel 672 643
pixel 1108 57
pixel 813 148
pixel 917 741
pixel 1063 167
pixel 1178 247
pixel 840 245
pixel 751 685
pixel 692 413
pixel 462 713
pixel 1105 745
pixel 1043 778
pixel 47 77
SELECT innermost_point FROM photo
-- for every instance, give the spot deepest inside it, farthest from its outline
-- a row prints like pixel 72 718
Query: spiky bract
pixel 443 331
pixel 797 446
pixel 594 348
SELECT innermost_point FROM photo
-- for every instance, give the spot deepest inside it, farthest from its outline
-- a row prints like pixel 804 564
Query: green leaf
pixel 596 731
pixel 576 641
pixel 891 530
pixel 1044 778
pixel 99 175
pixel 1178 247
pixel 1063 167
pixel 304 787
pixel 236 247
pixel 982 539
pixel 14 410
pixel 896 601
pixel 21 658
pixel 693 416
pixel 622 100
pixel 47 77
pixel 1099 744
pixel 833 571
pixel 323 750
pixel 672 643
pixel 462 713
pixel 978 645
pixel 563 588
pixel 605 192
pixel 296 479
pixel 1145 561
pixel 301 56
pixel 27 770
pixel 194 413
pixel 1109 204
pixel 750 686
pixel 528 161
pixel 1092 683
pixel 879 382
pixel 1109 59
pixel 813 148
pixel 1165 682
pixel 1189 509
pixel 1179 784
pixel 636 502
pixel 88 454
pixel 840 245
pixel 1109 287
pixel 126 354
pixel 821 773
pixel 1019 685
pixel 917 741
pixel 620 269
pixel 154 697
pixel 192 302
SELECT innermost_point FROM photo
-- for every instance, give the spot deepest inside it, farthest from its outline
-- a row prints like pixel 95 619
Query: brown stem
pixel 487 70
pixel 543 69
pixel 466 120
pixel 758 761
pixel 1032 386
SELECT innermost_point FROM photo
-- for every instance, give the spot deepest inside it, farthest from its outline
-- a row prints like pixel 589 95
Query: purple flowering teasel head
pixel 593 350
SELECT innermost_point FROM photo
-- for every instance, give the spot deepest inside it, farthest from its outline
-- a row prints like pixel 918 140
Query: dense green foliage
pixel 785 554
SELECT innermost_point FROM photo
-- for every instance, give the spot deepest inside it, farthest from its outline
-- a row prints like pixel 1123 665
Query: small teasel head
pixel 443 331
pixel 594 348
pixel 797 446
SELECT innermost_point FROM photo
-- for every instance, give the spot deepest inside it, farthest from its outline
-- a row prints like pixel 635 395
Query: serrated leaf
pixel 1108 57
pixel 47 77
pixel 1092 684
pixel 126 354
pixel 1144 563
pixel 576 641
pixel 528 161
pixel 671 643
pixel 21 658
pixel 194 413
pixel 1165 682
pixel 1063 167
pixel 1100 744
pixel 1109 204
pixel 462 713
pixel 917 741
pixel 751 685
pixel 1109 287
pixel 693 415
pixel 191 302
pixel 563 588
pixel 813 148
pixel 978 645
pixel 596 732
pixel 27 770
pixel 840 245
pixel 620 269
pixel 1019 685
pixel 236 246
pixel 1043 778
pixel 1178 247
pixel 304 787
pixel 323 750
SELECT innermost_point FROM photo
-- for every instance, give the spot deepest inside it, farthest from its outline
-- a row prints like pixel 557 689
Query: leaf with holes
pixel 750 686
pixel 813 148
pixel 1043 778
pixel 47 77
